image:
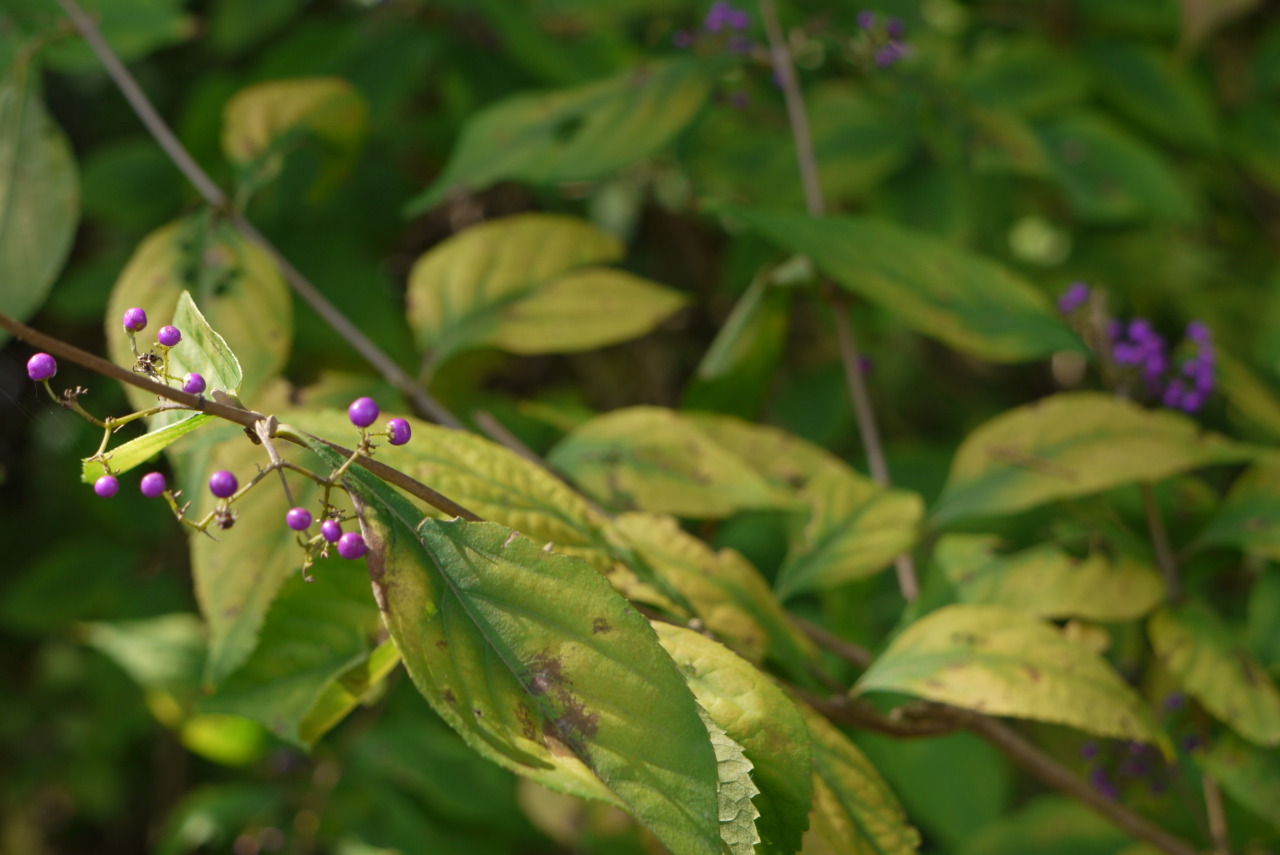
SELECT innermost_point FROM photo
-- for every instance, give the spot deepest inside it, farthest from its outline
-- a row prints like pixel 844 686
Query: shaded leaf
pixel 357 685
pixel 1249 518
pixel 1252 400
pixel 1255 136
pixel 855 528
pixel 1200 18
pixel 1048 825
pixel 1249 774
pixel 1211 664
pixel 734 792
pixel 39 195
pixel 1072 444
pixel 1144 83
pixel 965 300
pixel 576 134
pixel 1001 662
pixel 763 721
pixel 752 325
pixel 1045 581
pixel 1028 75
pixel 652 459
pixel 163 653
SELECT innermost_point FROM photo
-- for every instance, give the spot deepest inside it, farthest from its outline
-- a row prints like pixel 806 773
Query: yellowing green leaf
pixel 39 195
pixel 784 459
pixel 576 134
pixel 855 528
pixel 762 720
pixel 1216 669
pixel 527 284
pixel 1250 517
pixel 1001 662
pixel 1046 582
pixel 734 792
pixel 1069 445
pixel 853 808
pixel 137 451
pixel 649 458
pixel 965 300
pixel 1249 774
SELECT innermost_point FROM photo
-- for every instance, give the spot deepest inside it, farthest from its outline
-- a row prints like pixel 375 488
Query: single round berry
pixel 193 383
pixel 169 336
pixel 331 530
pixel 363 412
pixel 298 519
pixel 152 485
pixel 135 320
pixel 106 486
pixel 399 431
pixel 222 484
pixel 42 366
pixel 351 545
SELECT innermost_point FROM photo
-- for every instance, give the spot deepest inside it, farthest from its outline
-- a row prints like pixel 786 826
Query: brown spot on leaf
pixel 449 696
pixel 477 712
pixel 527 727
pixel 600 625
pixel 1032 672
pixel 554 743
pixel 546 679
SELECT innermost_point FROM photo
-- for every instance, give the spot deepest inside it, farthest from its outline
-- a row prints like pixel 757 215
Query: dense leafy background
pixel 176 696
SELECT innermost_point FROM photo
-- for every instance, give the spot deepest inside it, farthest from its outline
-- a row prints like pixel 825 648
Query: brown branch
pixel 856 655
pixel 1165 559
pixel 423 403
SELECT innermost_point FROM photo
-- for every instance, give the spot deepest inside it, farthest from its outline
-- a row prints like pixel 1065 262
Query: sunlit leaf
pixel 759 717
pixel 1001 662
pixel 137 451
pixel 967 301
pixel 1214 667
pixel 39 195
pixel 784 459
pixel 1072 444
pixel 576 134
pixel 1249 774
pixel 734 794
pixel 1045 581
pixel 649 458
pixel 855 528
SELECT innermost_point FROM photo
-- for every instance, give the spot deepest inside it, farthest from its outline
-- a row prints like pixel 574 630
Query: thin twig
pixel 423 402
pixel 498 432
pixel 1160 540
pixel 1214 809
pixel 855 654
pixel 796 115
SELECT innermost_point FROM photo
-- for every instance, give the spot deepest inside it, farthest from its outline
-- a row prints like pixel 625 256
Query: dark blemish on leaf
pixel 527 727
pixel 1032 672
pixel 600 625
pixel 442 644
pixel 554 743
pixel 545 678
pixel 477 712
pixel 449 696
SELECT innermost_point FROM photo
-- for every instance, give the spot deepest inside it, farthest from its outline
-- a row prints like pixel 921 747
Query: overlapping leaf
pixel 1250 516
pixel 735 792
pixel 784 459
pixel 1249 774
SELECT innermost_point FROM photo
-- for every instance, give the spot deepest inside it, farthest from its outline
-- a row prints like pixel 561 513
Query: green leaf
pixel 853 808
pixel 755 322
pixel 1144 83
pixel 235 284
pixel 1072 444
pixel 1249 774
pixel 577 134
pixel 1027 75
pixel 1262 630
pixel 963 299
pixel 133 28
pixel 358 685
pixel 1255 134
pixel 1109 176
pixel 1214 667
pixel 39 195
pixel 649 458
pixel 137 451
pixel 763 721
pixel 1048 825
pixel 1001 662
pixel 784 459
pixel 529 284
pixel 855 528
pixel 539 665
pixel 161 654
pixel 1200 18
pixel 203 350
pixel 1250 397
pixel 734 792
pixel 1045 581
pixel 1249 518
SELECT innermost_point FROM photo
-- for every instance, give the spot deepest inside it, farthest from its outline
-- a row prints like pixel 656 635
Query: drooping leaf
pixel 1249 519
pixel 649 458
pixel 1046 582
pixel 356 685
pixel 530 284
pixel 1072 444
pixel 576 134
pixel 969 302
pixel 853 808
pixel 1145 83
pixel 1249 774
pixel 39 195
pixel 137 451
pixel 752 325
pixel 855 528
pixel 734 793
pixel 539 665
pixel 1001 662
pixel 1211 664
pixel 760 718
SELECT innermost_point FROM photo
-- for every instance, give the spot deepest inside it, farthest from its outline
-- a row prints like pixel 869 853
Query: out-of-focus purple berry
pixel 895 28
pixel 351 545
pixel 298 519
pixel 152 485
pixel 1140 330
pixel 1114 329
pixel 889 54
pixel 331 530
pixel 1101 782
pixel 1074 297
pixel 739 44
pixel 1126 354
pixel 1198 332
pixel 193 383
pixel 682 39
pixel 169 336
pixel 1174 701
pixel 867 19
pixel 1189 743
pixel 736 19
pixel 42 366
pixel 1089 750
pixel 223 484
pixel 399 431
pixel 1173 393
pixel 106 486
pixel 740 100
pixel 134 320
pixel 363 412
pixel 1192 400
pixel 717 17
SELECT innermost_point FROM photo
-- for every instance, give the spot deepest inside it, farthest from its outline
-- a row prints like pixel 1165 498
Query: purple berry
pixel 222 484
pixel 135 320
pixel 1102 783
pixel 399 431
pixel 1089 750
pixel 866 19
pixel 895 28
pixel 169 336
pixel 351 545
pixel 889 54
pixel 363 412
pixel 193 383
pixel 42 366
pixel 682 39
pixel 331 530
pixel 106 486
pixel 1198 332
pixel 298 519
pixel 152 485
pixel 1073 298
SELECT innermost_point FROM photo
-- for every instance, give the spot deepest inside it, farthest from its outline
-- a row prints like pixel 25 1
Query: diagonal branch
pixel 425 405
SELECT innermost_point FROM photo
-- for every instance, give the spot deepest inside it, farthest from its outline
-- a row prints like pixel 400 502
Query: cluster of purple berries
pixel 135 321
pixel 1115 761
pixel 721 18
pixel 364 412
pixel 1136 345
pixel 886 34
pixel 152 485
